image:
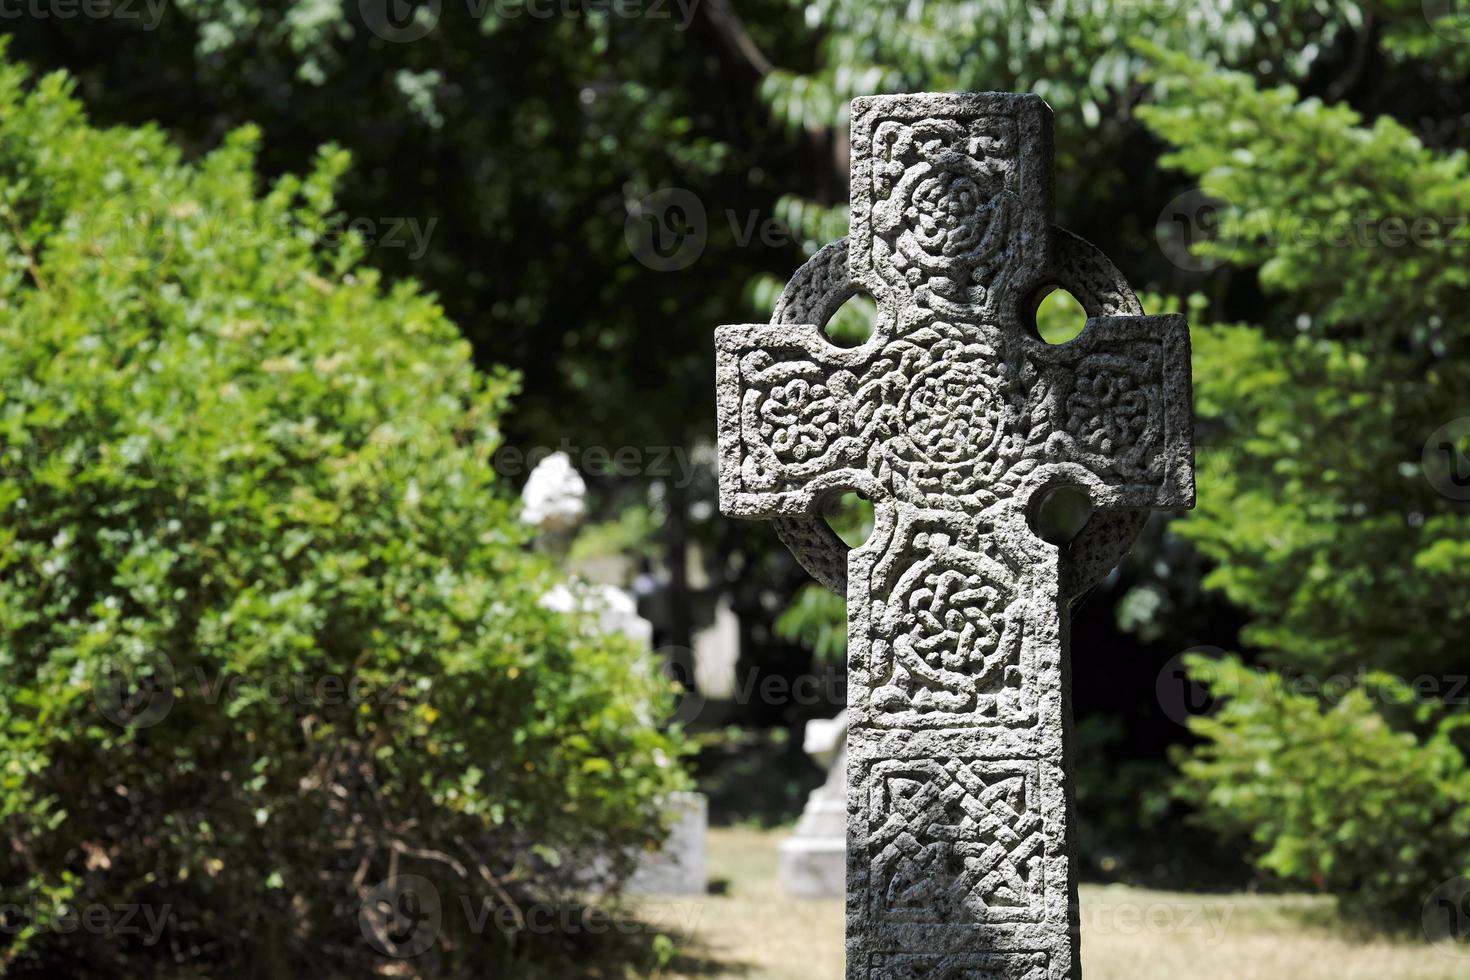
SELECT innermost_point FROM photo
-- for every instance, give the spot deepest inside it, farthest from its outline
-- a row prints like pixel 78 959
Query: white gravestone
pixel 553 500
pixel 813 860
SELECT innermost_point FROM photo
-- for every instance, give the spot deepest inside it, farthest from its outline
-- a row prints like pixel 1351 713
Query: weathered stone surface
pixel 956 419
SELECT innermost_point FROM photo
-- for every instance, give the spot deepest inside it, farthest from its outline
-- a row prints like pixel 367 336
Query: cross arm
pixel 1119 406
pixel 786 409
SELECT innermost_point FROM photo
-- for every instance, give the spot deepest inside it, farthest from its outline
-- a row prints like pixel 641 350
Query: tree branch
pixel 732 32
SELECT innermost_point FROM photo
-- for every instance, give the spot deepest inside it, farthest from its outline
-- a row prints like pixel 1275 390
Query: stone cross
pixel 957 421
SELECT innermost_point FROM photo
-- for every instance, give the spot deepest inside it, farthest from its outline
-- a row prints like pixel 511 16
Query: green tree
pixel 1349 556
pixel 270 631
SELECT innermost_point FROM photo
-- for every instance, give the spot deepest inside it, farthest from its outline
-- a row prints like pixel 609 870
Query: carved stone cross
pixel 957 420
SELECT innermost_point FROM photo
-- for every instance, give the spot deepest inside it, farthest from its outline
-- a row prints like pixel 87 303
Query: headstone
pixel 678 868
pixel 717 652
pixel 553 500
pixel 609 608
pixel 812 862
pixel 957 421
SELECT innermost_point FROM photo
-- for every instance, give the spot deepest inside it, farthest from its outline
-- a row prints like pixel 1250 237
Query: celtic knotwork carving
pixel 814 295
pixel 798 417
pixel 957 841
pixel 794 417
pixel 1114 412
pixel 946 635
pixel 1096 283
pixel 943 413
pixel 824 283
pixel 942 208
pixel 958 966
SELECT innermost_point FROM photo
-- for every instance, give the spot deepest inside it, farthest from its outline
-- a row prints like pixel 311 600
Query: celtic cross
pixel 956 420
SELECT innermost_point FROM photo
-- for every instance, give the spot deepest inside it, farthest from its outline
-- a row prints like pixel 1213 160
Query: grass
pixel 746 928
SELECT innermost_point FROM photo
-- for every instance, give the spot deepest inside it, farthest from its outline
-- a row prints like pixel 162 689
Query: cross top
pixel 955 419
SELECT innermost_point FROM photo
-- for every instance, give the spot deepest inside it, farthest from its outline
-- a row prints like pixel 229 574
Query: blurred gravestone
pixel 813 860
pixel 553 500
pixel 678 868
pixel 960 424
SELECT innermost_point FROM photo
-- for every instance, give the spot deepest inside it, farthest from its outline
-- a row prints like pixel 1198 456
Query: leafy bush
pixel 1314 499
pixel 1332 795
pixel 1312 493
pixel 269 632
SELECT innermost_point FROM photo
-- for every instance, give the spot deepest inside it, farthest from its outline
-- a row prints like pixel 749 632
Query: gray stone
pixel 957 420
pixel 812 862
pixel 678 868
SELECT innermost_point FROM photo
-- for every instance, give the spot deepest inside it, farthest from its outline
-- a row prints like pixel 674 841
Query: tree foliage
pixel 1331 793
pixel 1314 499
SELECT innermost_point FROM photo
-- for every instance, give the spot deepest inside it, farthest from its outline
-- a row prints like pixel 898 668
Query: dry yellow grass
pixel 748 929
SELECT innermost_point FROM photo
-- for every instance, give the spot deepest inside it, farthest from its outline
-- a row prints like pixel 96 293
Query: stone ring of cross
pixel 957 421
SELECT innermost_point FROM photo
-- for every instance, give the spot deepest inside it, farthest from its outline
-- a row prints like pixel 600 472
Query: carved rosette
pixel 944 416
pixel 946 638
pixel 794 416
pixel 1114 412
pixel 943 214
